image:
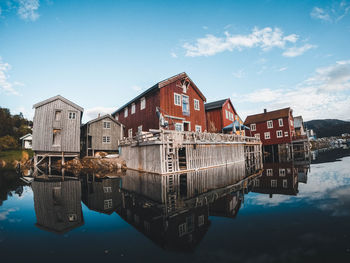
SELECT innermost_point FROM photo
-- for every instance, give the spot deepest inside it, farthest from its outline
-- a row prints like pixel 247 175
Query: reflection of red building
pixel 226 206
pixel 274 127
pixel 179 100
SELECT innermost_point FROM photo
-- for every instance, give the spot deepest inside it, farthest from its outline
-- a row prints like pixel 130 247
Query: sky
pixel 100 54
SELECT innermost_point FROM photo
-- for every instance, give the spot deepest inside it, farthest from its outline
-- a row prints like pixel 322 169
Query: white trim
pixel 279 134
pixel 133 108
pixel 269 172
pixel 189 125
pixel 253 127
pixel 125 112
pixel 143 103
pixel 106 139
pixel 174 117
pixel 105 124
pixel 269 124
pixel 178 124
pixel 180 99
pixel 267 135
pixel 198 105
pixel 280 122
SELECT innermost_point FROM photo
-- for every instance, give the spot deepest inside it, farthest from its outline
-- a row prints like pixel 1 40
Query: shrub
pixel 8 143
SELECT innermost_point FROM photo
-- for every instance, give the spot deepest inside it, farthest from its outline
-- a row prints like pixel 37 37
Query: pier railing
pixel 164 136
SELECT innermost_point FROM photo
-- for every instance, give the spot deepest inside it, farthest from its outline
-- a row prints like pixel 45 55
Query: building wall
pixel 214 120
pixel 261 128
pixel 146 117
pixel 196 117
pixel 97 132
pixel 227 107
pixel 44 123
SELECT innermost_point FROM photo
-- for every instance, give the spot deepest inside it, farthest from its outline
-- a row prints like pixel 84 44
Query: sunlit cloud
pixel 6 86
pixel 297 51
pixel 331 14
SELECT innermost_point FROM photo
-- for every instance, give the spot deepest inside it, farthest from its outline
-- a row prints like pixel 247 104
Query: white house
pixel 26 141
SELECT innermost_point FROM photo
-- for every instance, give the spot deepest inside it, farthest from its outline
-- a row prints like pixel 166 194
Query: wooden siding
pixel 196 117
pixel 146 117
pixel 214 120
pixel 44 123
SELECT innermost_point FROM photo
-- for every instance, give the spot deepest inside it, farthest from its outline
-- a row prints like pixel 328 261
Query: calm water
pixel 292 213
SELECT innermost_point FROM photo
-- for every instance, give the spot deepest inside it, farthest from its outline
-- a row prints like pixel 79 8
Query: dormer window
pixel 184 85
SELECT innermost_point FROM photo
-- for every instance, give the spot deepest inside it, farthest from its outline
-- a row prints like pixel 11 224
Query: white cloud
pixel 331 14
pixel 282 69
pixel 6 86
pixel 28 9
pixel 4 213
pixel 173 54
pixel 93 113
pixel 239 74
pixel 324 95
pixel 297 51
pixel 265 39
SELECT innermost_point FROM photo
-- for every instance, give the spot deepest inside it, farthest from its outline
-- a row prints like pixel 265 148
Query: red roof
pixel 270 115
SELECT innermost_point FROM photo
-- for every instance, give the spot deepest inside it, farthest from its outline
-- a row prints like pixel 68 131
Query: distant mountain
pixel 328 127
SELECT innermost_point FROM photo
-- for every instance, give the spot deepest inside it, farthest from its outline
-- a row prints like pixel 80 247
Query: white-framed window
pixel 126 112
pixel 133 108
pixel 198 128
pixel 285 183
pixel 286 134
pixel 179 127
pixel 282 172
pixel 280 122
pixel 226 112
pixel 196 104
pixel 177 99
pixel 228 106
pixel 107 189
pixel 117 116
pixel 267 135
pixel 273 183
pixel 201 220
pixel 269 172
pixel 130 133
pixel 182 229
pixel 279 134
pixel 143 103
pixel 72 115
pixel 106 125
pixel 257 135
pixel 72 217
pixel 107 204
pixel 256 182
pixel 185 105
pixel 106 139
pixel 269 124
pixel 139 129
pixel 253 127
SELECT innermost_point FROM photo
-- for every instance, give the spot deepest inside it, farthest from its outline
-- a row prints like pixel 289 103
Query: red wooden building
pixel 274 127
pixel 177 98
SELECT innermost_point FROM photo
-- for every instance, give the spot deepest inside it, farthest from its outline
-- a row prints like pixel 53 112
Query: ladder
pixel 170 153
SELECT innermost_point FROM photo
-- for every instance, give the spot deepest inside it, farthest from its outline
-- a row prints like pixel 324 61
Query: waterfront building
pixel 26 141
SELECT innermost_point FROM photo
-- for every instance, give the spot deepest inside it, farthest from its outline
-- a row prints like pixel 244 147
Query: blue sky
pixel 100 54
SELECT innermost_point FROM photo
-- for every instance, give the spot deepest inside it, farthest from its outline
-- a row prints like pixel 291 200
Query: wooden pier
pixel 165 151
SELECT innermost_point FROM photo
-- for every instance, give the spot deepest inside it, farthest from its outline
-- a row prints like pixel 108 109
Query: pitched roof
pixel 161 84
pixel 58 97
pixel 101 118
pixel 214 104
pixel 270 115
pixel 25 136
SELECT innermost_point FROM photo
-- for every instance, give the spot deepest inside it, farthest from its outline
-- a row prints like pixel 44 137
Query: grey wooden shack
pixel 101 134
pixel 56 128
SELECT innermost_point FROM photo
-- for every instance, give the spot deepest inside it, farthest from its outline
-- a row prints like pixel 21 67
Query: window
pixel 201 220
pixel 289 170
pixel 72 115
pixel 139 129
pixel 282 172
pixel 72 217
pixel 117 117
pixel 106 139
pixel 177 99
pixel 126 112
pixel 198 128
pixel 107 204
pixel 58 115
pixel 143 103
pixel 286 134
pixel 253 127
pixel 182 229
pixel 279 134
pixel 256 182
pixel 185 105
pixel 226 112
pixel 269 172
pixel 133 108
pixel 280 122
pixel 196 104
pixel 107 189
pixel 130 133
pixel 269 124
pixel 106 125
pixel 56 140
pixel 257 135
pixel 178 127
pixel 267 135
pixel 285 183
pixel 273 183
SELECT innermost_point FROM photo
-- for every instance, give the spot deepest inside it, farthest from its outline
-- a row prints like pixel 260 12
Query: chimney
pixel 265 110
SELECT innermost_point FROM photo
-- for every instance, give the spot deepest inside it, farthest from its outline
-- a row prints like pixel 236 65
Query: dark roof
pixel 101 118
pixel 58 97
pixel 214 104
pixel 160 85
pixel 270 115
